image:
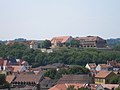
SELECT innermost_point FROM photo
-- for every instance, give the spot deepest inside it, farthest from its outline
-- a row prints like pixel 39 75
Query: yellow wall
pixel 99 81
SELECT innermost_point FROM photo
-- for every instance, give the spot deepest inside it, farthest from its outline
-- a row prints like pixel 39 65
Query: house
pixel 103 67
pixel 82 78
pixel 60 41
pixel 27 79
pixel 115 66
pixel 91 42
pixel 103 77
pixel 34 45
pixel 90 66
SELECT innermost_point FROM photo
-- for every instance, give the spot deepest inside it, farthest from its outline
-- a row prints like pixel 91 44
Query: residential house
pixel 103 67
pixel 90 66
pixel 115 66
pixel 60 41
pixel 103 77
pixel 34 45
pixel 82 78
pixel 25 79
pixel 91 42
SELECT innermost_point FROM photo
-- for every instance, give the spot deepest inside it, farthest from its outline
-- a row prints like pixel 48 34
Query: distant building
pixel 103 67
pixel 91 42
pixel 91 66
pixel 60 41
pixel 115 66
pixel 34 45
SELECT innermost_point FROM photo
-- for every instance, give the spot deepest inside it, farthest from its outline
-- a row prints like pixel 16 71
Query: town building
pixel 60 41
pixel 103 67
pixel 91 42
pixel 103 77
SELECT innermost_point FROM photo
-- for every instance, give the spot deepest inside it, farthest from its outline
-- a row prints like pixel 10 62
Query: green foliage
pixel 2 79
pixel 73 43
pixel 115 79
pixel 74 56
pixel 117 88
pixel 45 44
pixel 54 74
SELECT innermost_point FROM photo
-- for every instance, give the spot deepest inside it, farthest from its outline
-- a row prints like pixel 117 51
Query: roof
pixel 104 66
pixel 110 86
pixel 10 78
pixel 61 39
pixel 113 63
pixel 17 68
pixel 65 86
pixel 28 77
pixel 83 78
pixel 103 74
pixel 90 38
pixel 92 65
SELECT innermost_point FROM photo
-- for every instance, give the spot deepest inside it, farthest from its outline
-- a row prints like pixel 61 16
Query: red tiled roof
pixel 61 39
pixel 9 78
pixel 103 74
pixel 65 86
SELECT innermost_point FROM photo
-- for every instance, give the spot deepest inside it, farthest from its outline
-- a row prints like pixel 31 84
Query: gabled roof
pixel 61 39
pixel 83 78
pixel 28 77
pixel 10 78
pixel 103 74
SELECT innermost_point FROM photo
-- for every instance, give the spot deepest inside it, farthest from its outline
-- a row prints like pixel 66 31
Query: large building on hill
pixel 91 41
pixel 60 41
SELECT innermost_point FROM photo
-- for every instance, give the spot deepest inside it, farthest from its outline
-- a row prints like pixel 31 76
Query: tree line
pixel 75 56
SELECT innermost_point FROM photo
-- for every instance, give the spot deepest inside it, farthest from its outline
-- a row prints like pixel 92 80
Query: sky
pixel 44 19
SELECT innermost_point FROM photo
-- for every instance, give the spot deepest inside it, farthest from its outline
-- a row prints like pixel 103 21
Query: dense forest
pixel 74 56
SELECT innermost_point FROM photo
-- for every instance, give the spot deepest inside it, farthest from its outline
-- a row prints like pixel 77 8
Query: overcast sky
pixel 44 19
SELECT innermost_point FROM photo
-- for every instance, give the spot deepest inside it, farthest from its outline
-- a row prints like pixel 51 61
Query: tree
pixel 46 44
pixel 2 79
